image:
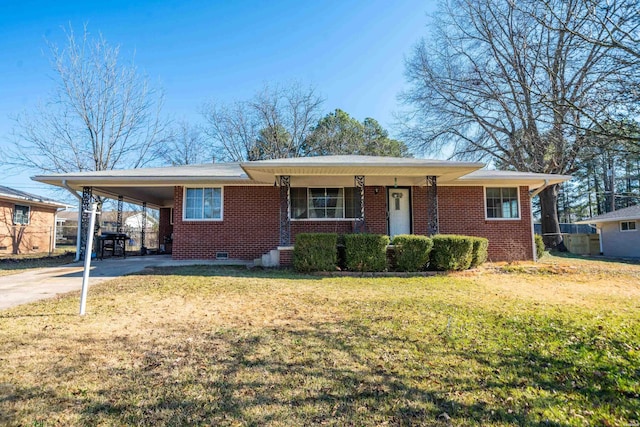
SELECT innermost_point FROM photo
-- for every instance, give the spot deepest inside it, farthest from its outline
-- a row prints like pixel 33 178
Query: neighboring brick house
pixel 27 222
pixel 245 210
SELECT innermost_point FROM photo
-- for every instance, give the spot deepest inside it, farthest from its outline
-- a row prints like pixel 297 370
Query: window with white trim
pixel 21 214
pixel 203 203
pixel 502 203
pixel 325 203
pixel 627 226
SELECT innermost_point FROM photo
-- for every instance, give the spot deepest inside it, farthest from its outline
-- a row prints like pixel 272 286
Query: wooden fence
pixel 582 244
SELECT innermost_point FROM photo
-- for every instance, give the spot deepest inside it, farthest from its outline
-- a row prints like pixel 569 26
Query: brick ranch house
pixel 27 222
pixel 246 210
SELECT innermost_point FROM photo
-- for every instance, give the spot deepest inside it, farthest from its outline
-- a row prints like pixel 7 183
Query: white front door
pixel 399 211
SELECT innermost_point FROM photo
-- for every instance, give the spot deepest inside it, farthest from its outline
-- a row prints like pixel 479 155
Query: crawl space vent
pixel 222 255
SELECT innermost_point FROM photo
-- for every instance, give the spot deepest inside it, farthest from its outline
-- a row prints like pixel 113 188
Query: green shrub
pixel 539 246
pixel 411 252
pixel 366 252
pixel 451 252
pixel 315 252
pixel 480 251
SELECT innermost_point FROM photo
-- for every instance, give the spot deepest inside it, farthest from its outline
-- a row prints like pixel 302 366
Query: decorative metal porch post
pixel 143 232
pixel 87 200
pixel 285 221
pixel 119 218
pixel 433 226
pixel 360 223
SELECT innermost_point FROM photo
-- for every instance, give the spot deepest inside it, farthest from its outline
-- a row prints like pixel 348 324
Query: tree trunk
pixel 549 218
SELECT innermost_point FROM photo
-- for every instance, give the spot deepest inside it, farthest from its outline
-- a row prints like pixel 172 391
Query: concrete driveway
pixel 44 283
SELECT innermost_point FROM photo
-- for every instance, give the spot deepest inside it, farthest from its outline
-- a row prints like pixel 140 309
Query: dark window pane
pixel 298 203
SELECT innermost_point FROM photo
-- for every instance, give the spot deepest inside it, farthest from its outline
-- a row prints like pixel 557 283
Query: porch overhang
pixel 340 170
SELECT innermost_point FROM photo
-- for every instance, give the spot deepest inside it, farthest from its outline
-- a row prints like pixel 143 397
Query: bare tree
pixel 274 123
pixel 185 146
pixel 103 114
pixel 513 83
pixel 618 32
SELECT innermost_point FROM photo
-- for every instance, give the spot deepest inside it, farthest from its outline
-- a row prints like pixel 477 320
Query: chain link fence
pixel 67 235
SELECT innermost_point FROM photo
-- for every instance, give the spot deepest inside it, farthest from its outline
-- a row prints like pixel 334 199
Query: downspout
pixel 78 233
pixel 533 194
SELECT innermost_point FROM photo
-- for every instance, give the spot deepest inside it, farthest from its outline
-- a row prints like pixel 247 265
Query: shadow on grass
pixel 20 316
pixel 569 255
pixel 225 271
pixel 352 372
pixel 326 373
pixel 26 263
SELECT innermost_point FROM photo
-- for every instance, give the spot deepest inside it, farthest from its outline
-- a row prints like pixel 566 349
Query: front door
pixel 399 205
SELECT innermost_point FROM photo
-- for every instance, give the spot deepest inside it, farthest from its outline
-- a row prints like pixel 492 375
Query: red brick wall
pixel 32 238
pixel 461 211
pixel 286 257
pixel 419 210
pixel 250 225
pixel 251 222
pixel 375 210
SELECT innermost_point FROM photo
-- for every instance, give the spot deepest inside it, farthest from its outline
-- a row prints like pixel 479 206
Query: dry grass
pixel 557 343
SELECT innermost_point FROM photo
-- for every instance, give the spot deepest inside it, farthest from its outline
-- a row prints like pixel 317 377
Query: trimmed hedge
pixel 411 252
pixel 480 251
pixel 366 252
pixel 539 246
pixel 315 252
pixel 451 252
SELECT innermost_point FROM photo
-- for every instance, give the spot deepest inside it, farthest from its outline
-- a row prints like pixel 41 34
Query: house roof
pixel 494 177
pixel 627 214
pixel 155 186
pixel 22 196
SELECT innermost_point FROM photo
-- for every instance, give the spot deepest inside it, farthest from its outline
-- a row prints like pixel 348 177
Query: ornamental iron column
pixel 359 225
pixel 433 226
pixel 119 217
pixel 285 203
pixel 87 200
pixel 143 232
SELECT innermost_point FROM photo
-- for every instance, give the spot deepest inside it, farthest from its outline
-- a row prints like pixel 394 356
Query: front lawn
pixel 554 344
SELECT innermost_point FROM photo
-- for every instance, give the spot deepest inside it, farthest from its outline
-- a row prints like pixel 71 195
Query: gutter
pixel 78 239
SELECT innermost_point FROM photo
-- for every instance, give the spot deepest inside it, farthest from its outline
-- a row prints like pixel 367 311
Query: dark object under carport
pixel 112 242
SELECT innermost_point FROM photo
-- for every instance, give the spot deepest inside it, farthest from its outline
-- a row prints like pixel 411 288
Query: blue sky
pixel 352 52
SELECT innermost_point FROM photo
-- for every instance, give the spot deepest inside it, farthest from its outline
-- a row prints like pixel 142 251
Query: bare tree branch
pixel 274 123
pixel 102 114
